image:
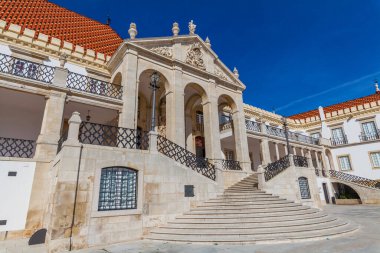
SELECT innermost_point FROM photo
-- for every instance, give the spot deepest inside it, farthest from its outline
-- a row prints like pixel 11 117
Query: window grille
pixel 344 163
pixel 304 188
pixel 118 189
pixel 375 158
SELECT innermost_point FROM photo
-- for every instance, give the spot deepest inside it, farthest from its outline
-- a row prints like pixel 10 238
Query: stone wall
pixel 160 195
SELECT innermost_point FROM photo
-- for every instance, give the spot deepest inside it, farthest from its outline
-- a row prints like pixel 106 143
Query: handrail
pixel 230 165
pixel 276 167
pixel 252 126
pixel 11 147
pixel 94 86
pixel 225 125
pixel 26 69
pixel 339 141
pixel 355 179
pixel 300 161
pixel 370 136
pixel 185 157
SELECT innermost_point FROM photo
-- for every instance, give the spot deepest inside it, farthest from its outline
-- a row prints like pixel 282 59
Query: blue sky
pixel 287 51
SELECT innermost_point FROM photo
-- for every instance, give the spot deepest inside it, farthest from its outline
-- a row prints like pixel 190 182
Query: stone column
pixel 211 128
pixel 175 108
pixel 153 141
pixel 277 151
pixel 302 152
pixel 60 77
pixel 128 114
pixel 291 160
pixel 47 141
pixel 264 145
pixel 240 134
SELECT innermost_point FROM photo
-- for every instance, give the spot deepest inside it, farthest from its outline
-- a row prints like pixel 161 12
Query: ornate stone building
pixel 83 163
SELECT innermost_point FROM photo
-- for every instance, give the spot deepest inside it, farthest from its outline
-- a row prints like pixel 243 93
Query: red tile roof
pixel 56 21
pixel 339 106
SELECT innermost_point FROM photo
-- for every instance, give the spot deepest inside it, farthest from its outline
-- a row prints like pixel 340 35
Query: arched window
pixel 304 188
pixel 118 189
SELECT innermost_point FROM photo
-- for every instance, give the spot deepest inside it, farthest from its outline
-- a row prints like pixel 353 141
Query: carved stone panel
pixel 194 56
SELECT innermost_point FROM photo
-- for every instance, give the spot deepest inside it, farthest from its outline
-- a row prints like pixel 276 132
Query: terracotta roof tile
pixel 339 106
pixel 56 21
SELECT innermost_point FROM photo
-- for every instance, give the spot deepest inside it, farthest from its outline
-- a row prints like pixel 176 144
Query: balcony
pixel 370 136
pixel 11 147
pixel 26 69
pixel 225 125
pixel 339 141
pixel 43 73
pixel 252 126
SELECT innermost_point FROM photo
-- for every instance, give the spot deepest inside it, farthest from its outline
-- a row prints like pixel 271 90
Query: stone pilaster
pixel 128 115
pixel 277 151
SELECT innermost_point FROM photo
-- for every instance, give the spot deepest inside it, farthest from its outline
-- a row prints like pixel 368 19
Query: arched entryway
pixel 145 100
pixel 344 193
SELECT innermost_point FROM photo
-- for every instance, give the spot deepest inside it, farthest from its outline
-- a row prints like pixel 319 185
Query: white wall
pixel 4 49
pixel 15 193
pixel 360 160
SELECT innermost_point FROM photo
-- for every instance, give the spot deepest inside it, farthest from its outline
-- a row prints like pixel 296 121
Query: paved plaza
pixel 365 240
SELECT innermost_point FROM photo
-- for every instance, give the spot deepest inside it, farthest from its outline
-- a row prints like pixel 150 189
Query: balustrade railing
pixel 11 147
pixel 276 167
pixel 275 131
pixel 225 125
pixel 185 157
pixel 104 135
pixel 300 161
pixel 370 136
pixel 230 165
pixel 94 86
pixel 339 141
pixel 354 179
pixel 26 69
pixel 252 126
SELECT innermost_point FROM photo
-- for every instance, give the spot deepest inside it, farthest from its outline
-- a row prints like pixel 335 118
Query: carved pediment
pixel 219 73
pixel 194 56
pixel 165 51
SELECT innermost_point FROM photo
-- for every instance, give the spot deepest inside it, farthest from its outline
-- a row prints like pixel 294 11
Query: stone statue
pixel 192 27
pixel 175 29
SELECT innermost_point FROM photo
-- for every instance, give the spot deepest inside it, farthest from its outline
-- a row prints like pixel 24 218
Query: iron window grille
pixel 304 188
pixel 10 147
pixel 118 189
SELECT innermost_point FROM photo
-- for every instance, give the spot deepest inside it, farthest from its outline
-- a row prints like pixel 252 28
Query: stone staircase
pixel 244 214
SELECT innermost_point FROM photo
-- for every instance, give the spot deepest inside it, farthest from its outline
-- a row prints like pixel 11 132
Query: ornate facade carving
pixel 220 74
pixel 195 56
pixel 165 51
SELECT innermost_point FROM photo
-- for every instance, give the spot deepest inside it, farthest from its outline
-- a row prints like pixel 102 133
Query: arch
pixel 345 191
pixel 110 196
pixel 304 188
pixel 227 99
pixel 117 79
pixel 330 159
pixel 193 88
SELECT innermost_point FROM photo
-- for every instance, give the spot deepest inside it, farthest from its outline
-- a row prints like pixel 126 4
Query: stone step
pixel 248 225
pixel 217 202
pixel 244 194
pixel 215 215
pixel 198 219
pixel 233 206
pixel 266 238
pixel 233 199
pixel 233 231
pixel 247 210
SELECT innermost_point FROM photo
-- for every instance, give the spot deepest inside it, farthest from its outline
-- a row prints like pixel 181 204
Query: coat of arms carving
pixel 195 56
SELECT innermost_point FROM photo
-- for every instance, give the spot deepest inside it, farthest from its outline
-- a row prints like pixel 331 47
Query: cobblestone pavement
pixel 365 240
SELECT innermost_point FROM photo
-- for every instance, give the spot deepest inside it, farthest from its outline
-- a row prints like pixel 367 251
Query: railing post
pixel 153 136
pixel 261 177
pixel 60 77
pixel 73 134
pixel 291 160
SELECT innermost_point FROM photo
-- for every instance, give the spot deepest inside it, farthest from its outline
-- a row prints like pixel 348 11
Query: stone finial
pixel 62 60
pixel 175 29
pixel 377 86
pixel 208 42
pixel 192 27
pixel 132 31
pixel 236 72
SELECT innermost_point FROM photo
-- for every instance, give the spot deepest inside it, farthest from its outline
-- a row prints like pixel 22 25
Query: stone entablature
pixel 14 34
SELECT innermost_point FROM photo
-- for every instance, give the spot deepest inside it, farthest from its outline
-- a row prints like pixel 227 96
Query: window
pixel 369 128
pixel 229 154
pixel 118 189
pixel 315 135
pixel 375 159
pixel 337 133
pixel 344 163
pixel 199 117
pixel 304 188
